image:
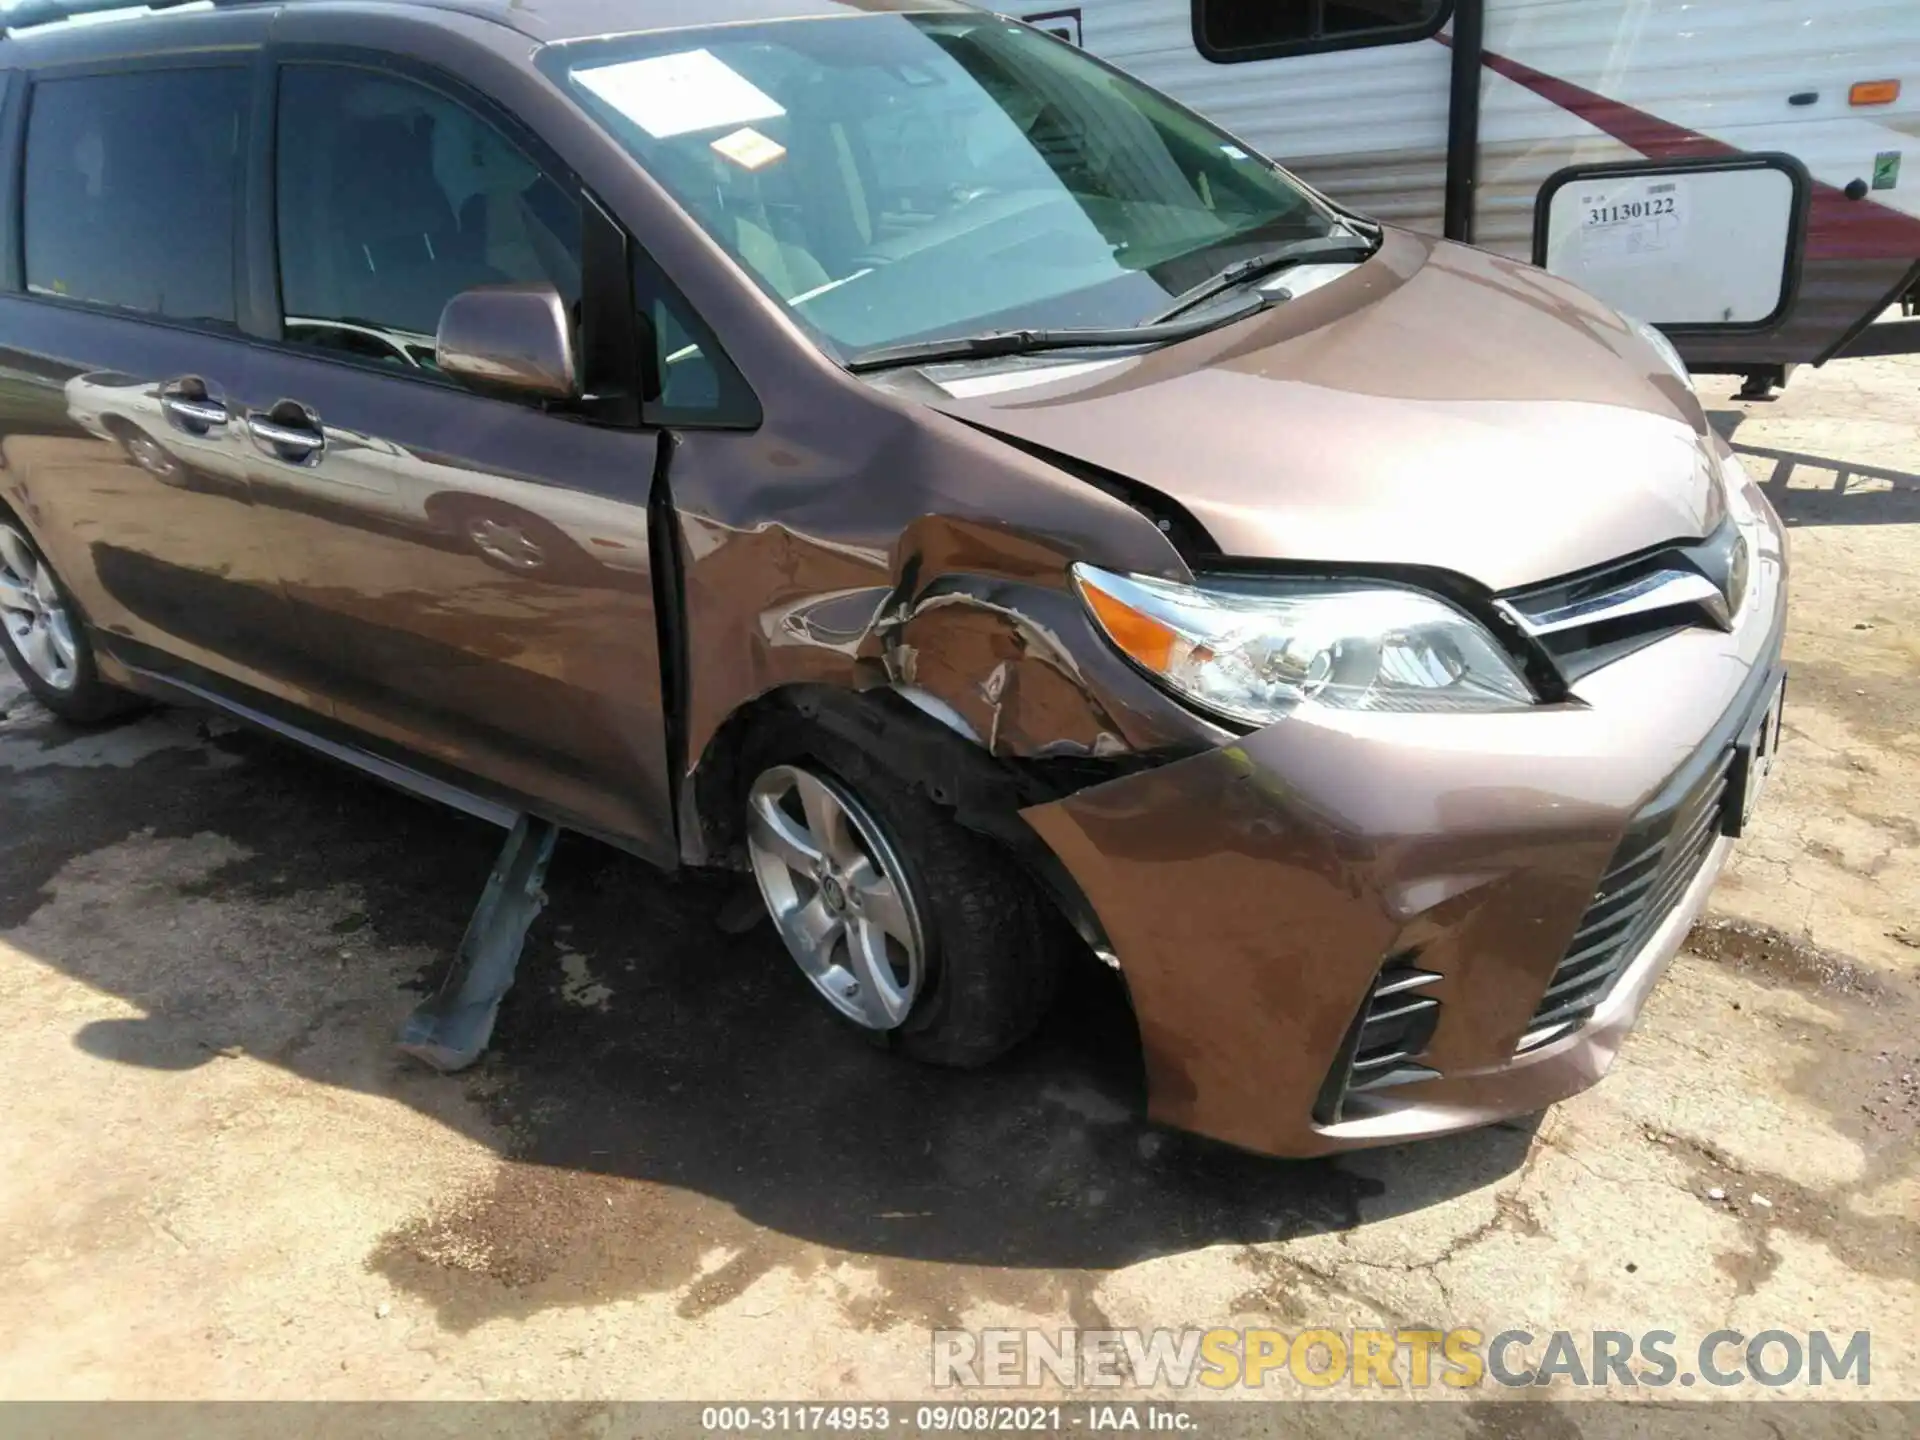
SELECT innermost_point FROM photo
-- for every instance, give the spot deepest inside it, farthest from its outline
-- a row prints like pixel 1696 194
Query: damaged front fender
pixel 952 592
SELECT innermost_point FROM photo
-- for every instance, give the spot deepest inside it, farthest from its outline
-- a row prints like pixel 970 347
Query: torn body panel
pixel 932 589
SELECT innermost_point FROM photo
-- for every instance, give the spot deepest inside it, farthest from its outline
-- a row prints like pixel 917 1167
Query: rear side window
pixel 392 199
pixel 130 187
pixel 1230 30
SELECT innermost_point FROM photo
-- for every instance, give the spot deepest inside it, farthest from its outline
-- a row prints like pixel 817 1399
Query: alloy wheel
pixel 35 614
pixel 838 895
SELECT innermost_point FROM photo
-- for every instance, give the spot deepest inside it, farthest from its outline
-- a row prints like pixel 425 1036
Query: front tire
pixel 918 931
pixel 45 641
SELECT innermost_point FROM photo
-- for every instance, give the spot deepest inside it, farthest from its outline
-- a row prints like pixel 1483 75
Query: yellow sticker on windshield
pixel 749 149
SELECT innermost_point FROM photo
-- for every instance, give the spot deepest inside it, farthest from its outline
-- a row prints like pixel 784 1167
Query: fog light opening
pixel 1389 1034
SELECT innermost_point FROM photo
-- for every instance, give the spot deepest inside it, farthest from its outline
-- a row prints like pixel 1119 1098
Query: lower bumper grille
pixel 1384 1043
pixel 1662 853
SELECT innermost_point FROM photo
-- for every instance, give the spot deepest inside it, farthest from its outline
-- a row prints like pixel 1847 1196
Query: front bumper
pixel 1255 894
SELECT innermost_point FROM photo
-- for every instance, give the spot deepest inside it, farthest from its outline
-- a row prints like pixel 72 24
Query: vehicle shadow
pixel 1799 488
pixel 669 1089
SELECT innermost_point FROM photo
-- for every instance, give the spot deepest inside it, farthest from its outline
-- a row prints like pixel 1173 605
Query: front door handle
pixel 194 414
pixel 289 432
pixel 187 405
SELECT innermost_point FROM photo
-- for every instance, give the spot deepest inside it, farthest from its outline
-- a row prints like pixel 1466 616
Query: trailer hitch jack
pixel 451 1030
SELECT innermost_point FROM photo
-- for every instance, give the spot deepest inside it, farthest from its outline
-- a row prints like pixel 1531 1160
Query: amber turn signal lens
pixel 1874 92
pixel 1141 636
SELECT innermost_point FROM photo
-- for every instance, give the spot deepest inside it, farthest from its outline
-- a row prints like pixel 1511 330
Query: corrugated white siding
pixel 1370 125
pixel 1723 68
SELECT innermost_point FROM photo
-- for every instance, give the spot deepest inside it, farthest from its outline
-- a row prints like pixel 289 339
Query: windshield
pixel 896 178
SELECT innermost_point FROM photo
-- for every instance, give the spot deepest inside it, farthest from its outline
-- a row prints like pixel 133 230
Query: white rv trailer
pixel 1741 172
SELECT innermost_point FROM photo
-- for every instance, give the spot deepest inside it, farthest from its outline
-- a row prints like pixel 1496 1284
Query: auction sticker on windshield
pixel 669 95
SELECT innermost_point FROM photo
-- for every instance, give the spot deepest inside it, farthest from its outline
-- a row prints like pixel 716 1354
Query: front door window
pixel 393 199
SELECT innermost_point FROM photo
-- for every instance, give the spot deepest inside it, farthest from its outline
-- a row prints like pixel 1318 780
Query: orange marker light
pixel 1141 636
pixel 1874 92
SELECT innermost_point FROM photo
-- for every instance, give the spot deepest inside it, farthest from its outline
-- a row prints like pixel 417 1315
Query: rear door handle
pixel 289 432
pixel 186 404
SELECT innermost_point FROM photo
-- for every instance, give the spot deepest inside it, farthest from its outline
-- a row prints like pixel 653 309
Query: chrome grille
pixel 1662 853
pixel 1592 619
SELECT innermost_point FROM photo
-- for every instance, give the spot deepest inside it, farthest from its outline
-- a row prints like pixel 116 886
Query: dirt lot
pixel 673 1177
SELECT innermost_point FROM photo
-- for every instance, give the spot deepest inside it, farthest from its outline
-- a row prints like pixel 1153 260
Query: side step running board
pixel 401 777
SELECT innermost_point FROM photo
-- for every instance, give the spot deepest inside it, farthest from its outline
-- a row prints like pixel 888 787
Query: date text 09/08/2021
pixel 962 1418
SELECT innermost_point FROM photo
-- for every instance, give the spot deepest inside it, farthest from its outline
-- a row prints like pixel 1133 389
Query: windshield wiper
pixel 1033 342
pixel 1293 252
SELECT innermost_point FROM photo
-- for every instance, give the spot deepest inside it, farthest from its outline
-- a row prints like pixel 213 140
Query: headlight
pixel 1662 346
pixel 1252 651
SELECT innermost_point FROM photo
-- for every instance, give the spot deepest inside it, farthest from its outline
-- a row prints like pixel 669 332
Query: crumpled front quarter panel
pixel 863 543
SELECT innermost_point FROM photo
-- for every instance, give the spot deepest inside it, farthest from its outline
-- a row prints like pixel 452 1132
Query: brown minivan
pixel 872 444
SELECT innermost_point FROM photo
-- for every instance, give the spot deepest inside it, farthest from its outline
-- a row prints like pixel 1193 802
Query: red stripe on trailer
pixel 1837 229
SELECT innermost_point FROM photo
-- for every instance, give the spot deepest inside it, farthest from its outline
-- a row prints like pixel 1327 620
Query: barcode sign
pixel 1630 220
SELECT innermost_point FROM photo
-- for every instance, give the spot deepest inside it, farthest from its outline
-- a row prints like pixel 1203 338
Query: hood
pixel 1436 406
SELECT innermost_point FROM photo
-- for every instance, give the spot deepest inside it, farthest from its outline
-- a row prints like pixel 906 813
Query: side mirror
pixel 513 338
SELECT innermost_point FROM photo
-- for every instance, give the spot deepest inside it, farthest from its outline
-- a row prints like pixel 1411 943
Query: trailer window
pixel 1226 31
